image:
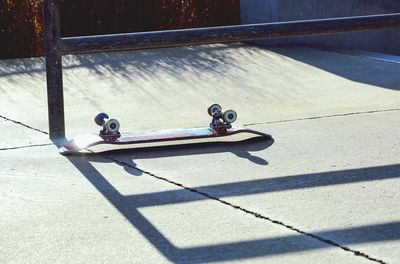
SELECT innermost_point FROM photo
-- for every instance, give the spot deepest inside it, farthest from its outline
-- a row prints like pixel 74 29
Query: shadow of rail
pixel 129 207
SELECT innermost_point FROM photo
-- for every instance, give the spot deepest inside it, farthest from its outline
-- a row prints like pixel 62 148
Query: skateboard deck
pixel 86 141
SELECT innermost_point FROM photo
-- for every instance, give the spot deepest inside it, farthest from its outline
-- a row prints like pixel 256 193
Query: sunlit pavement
pixel 325 190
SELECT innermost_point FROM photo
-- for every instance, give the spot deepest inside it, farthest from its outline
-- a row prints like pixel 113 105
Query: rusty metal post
pixel 55 98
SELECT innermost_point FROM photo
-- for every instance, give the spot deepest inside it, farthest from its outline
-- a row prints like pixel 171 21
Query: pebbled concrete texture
pixel 326 190
pixel 77 209
pixel 18 137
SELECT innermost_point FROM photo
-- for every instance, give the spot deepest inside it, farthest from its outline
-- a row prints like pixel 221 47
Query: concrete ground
pixel 326 190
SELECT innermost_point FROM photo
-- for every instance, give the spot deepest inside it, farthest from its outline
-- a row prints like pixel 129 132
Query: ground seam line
pixel 250 124
pixel 322 117
pixel 27 146
pixel 257 215
pixel 22 124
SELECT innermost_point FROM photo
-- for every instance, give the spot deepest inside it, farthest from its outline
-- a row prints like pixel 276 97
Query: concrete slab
pixel 170 88
pixel 76 209
pixel 15 135
pixel 332 184
pixel 335 177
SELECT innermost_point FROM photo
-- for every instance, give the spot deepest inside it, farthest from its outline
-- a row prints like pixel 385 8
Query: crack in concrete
pixel 255 214
pixel 22 124
pixel 27 146
pixel 322 117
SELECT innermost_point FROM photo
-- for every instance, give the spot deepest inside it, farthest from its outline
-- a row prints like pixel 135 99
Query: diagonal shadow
pixel 277 184
pixel 293 243
pixel 355 68
pixel 129 206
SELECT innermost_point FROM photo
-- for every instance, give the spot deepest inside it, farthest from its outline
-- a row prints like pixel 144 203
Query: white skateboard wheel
pixel 229 116
pixel 213 108
pixel 112 125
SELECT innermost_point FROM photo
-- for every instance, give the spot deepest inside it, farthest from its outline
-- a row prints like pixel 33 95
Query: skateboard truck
pixel 110 131
pixel 220 126
pixel 221 121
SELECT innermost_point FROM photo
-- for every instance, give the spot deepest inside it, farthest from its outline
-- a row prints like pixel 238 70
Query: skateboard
pixel 220 126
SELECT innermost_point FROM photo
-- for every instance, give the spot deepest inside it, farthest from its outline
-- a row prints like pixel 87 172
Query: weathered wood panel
pixel 21 20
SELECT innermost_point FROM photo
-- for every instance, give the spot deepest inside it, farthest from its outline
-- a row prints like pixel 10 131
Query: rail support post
pixel 55 98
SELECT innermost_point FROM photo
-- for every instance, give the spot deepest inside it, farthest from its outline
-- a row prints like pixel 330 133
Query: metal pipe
pixel 182 37
pixel 55 98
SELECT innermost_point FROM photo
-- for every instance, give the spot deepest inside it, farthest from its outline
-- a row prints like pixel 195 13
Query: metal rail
pixel 56 46
pixel 226 34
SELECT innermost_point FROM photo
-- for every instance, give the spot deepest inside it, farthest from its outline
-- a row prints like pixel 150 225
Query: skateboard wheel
pixel 100 119
pixel 112 126
pixel 229 116
pixel 213 108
